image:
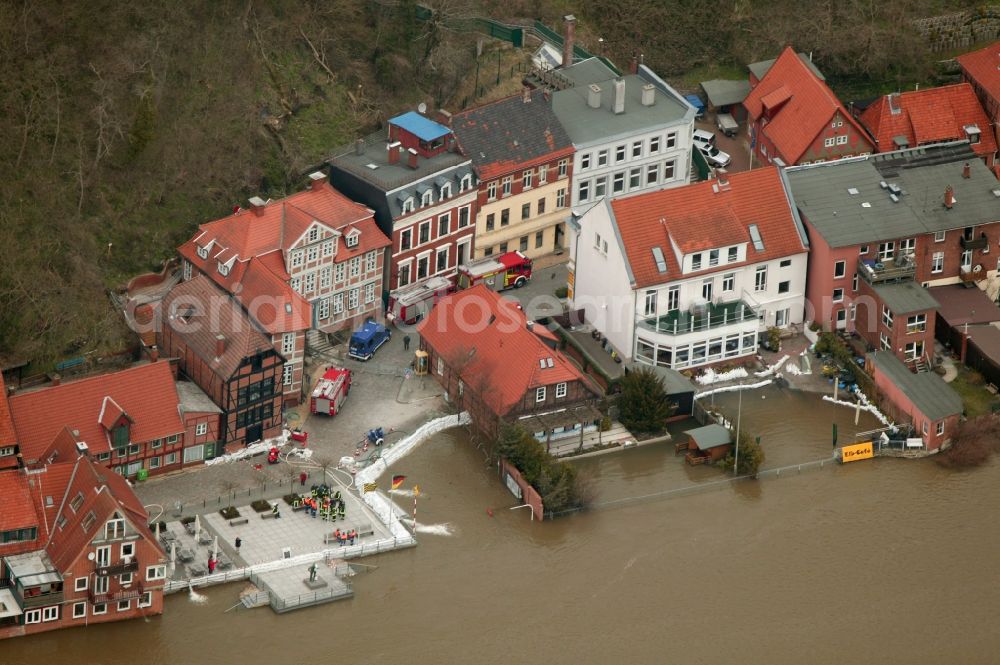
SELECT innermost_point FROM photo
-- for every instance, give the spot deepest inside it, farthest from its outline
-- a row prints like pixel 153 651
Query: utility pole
pixel 739 418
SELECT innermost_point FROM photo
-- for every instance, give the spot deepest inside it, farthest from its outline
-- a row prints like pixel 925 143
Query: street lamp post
pixel 739 415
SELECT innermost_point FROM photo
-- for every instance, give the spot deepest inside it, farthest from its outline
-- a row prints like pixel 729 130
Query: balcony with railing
pixel 31 600
pixel 975 242
pixel 876 271
pixel 701 318
pixel 134 591
pixel 972 274
pixel 116 569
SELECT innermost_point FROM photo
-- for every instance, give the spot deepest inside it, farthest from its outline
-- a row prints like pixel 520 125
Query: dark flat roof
pixel 905 297
pixel 928 391
pixel 986 338
pixel 960 305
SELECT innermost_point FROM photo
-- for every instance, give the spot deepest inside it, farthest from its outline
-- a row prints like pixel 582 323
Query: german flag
pixel 370 487
pixel 397 481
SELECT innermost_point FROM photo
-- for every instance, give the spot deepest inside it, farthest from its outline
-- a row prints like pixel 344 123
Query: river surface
pixel 887 561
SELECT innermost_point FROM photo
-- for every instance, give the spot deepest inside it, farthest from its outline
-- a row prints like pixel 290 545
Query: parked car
pixel 703 137
pixel 727 124
pixel 714 156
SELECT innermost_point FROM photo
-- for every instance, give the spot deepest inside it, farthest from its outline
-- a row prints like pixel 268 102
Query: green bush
pixel 261 506
pixel 751 456
pixel 229 513
pixel 555 481
pixel 643 405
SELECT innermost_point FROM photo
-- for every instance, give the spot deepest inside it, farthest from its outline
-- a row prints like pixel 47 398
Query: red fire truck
pixel 330 391
pixel 512 269
pixel 410 303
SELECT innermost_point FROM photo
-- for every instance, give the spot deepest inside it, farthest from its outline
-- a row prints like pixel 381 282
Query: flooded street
pixel 885 561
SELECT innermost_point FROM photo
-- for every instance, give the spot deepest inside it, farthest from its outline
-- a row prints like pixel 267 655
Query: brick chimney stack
pixel 257 205
pixel 220 345
pixel 569 37
pixel 154 354
pixel 56 379
pixel 394 152
pixel 316 180
pixel 949 197
pixel 412 158
pixel 967 171
pixel 633 65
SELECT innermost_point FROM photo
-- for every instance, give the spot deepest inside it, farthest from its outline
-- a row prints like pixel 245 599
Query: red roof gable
pixel 271 301
pixel 983 67
pixel 810 105
pixel 146 393
pixel 930 115
pixel 505 360
pixel 17 507
pixel 696 217
pixel 8 437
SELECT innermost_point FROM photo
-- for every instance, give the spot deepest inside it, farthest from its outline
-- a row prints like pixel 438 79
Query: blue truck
pixel 366 340
pixel 699 106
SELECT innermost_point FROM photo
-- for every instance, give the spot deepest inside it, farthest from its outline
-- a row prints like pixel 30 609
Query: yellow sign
pixel 416 490
pixel 858 451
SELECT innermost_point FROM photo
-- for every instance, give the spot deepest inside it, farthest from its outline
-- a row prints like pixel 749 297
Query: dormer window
pixel 408 205
pixel 202 252
pixel 120 435
pixel 223 269
pixel 466 183
pixel 114 529
pixel 426 198
pixel 972 133
pixel 446 191
pixel 352 238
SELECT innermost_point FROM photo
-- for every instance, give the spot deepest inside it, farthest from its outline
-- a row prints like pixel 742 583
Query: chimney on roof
pixel 394 149
pixel 525 94
pixel 81 448
pixel 444 117
pixel 317 178
pixel 569 25
pixel 594 96
pixel 619 102
pixel 949 197
pixel 722 179
pixel 359 147
pixel 56 379
pixel 648 94
pixel 967 171
pixel 257 205
pixel 154 354
pixel 220 345
pixel 633 65
pixel 412 158
pixel 530 324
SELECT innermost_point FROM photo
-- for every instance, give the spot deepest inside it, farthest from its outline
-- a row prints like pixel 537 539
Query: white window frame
pixel 729 282
pixel 33 616
pixel 540 394
pixel 937 263
pixel 123 605
pixel 338 303
pixel 125 579
pixel 297 258
pixel 440 366
pixel 371 261
pixel 50 613
pixel 838 295
pixel 654 145
pixel 323 312
pixel 79 610
pixel 526 179
pixel 77 586
pixel 829 142
pixel 127 550
pixel 840 269
pixel 355 266
pixel 325 277
pixel 287 342
pixel 145 600
pixel 561 390
pixel 760 279
pixel 353 297
pixel 939 236
pixel 369 292
pixel 154 573
pixel 506 186
pixel 340 272
pixel 491 190
pixel 287 373
pixel 649 307
pixel 939 427
pixel 100 608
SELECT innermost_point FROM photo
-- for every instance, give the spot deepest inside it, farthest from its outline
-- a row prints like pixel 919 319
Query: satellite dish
pixel 90 556
pixel 422 108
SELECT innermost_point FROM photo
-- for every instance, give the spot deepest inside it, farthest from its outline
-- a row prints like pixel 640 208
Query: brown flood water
pixel 884 561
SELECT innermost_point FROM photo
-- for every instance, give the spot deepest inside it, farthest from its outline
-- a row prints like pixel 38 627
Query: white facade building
pixel 689 277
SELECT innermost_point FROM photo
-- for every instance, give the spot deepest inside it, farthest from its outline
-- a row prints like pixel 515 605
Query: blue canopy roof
pixel 423 128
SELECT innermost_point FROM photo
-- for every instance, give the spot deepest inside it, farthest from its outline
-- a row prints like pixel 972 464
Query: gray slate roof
pixel 587 71
pixel 905 297
pixel 710 436
pixel 723 92
pixel 510 131
pixel 820 192
pixel 761 68
pixel 928 391
pixel 587 125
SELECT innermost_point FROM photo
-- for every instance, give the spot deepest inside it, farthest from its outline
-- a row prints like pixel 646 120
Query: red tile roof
pixel 197 312
pixel 983 67
pixel 271 301
pixel 8 437
pixel 505 358
pixel 809 107
pixel 17 508
pixel 930 115
pixel 146 393
pixel 696 217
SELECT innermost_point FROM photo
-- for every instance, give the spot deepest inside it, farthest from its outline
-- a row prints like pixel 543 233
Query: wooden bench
pixel 239 520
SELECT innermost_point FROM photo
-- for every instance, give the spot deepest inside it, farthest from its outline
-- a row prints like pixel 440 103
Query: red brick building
pixel 499 367
pixel 133 420
pixel 423 192
pixel 228 356
pixel 796 119
pixel 884 228
pixel 922 400
pixel 523 158
pixel 75 548
pixel 311 260
pixel 929 116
